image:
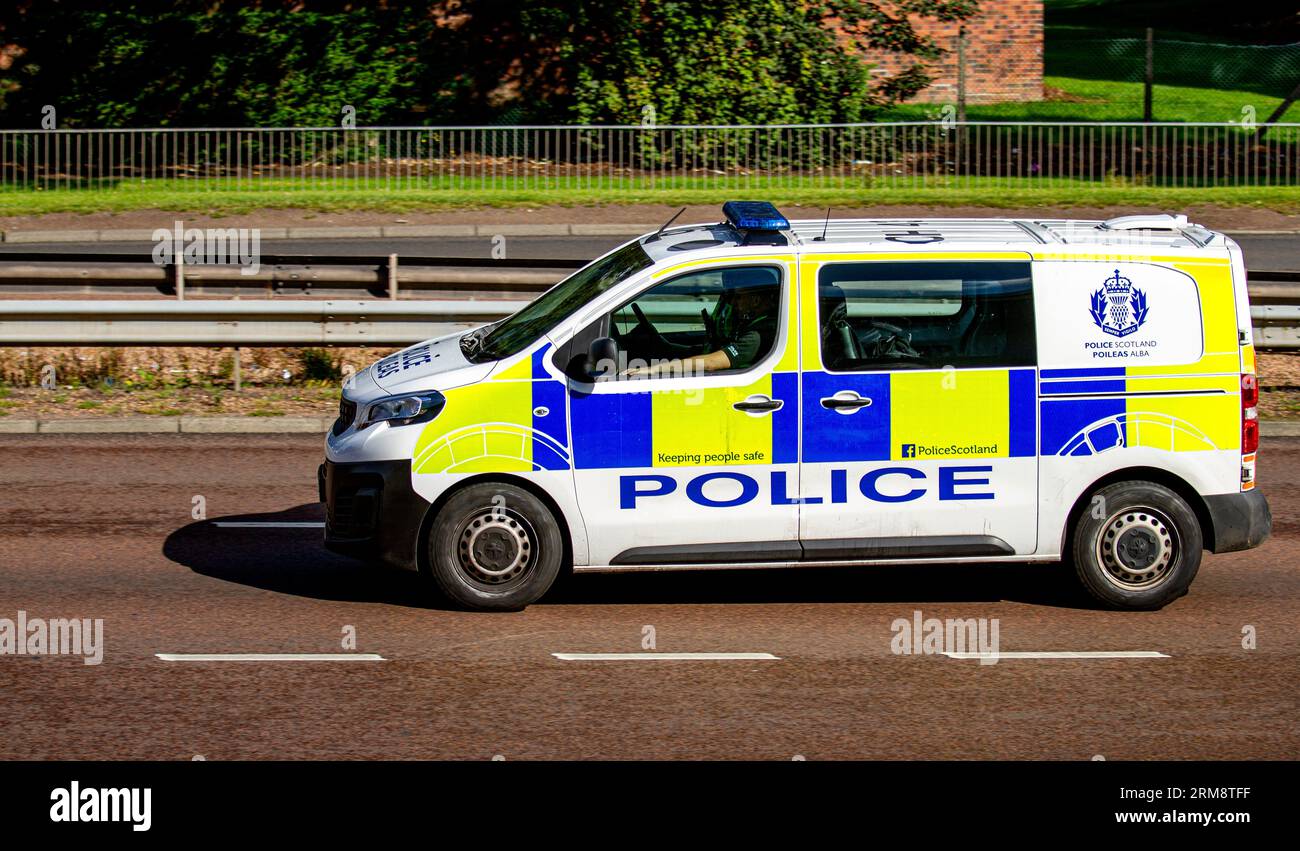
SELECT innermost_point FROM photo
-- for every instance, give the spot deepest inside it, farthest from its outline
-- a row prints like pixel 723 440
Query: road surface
pixel 103 527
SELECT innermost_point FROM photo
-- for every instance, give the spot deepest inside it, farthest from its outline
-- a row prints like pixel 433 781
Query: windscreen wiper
pixel 472 342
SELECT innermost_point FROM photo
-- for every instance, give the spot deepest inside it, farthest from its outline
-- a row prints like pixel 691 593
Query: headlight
pixel 404 410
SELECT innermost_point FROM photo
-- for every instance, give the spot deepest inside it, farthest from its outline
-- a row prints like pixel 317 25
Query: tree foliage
pixel 213 63
pixel 728 61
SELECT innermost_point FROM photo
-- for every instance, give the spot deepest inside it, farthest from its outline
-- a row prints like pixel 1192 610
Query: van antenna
pixel 825 227
pixel 659 232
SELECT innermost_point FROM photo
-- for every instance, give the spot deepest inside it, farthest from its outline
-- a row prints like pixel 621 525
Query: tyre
pixel 494 547
pixel 1137 545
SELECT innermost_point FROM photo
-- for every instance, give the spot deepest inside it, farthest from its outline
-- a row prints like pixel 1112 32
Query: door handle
pixel 758 404
pixel 846 402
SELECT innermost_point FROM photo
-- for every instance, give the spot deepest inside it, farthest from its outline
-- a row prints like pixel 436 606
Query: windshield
pixel 514 333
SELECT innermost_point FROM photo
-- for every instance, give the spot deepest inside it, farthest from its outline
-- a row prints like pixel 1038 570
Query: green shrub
pixel 318 365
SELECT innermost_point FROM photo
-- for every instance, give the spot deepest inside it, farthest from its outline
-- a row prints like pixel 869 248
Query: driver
pixel 744 327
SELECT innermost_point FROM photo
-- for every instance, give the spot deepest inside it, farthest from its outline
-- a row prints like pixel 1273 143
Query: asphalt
pixel 103 526
pixel 1263 251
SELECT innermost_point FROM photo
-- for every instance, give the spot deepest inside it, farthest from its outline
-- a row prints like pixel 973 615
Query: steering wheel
pixel 647 331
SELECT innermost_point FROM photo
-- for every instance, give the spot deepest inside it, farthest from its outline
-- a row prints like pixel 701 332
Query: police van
pixel 758 392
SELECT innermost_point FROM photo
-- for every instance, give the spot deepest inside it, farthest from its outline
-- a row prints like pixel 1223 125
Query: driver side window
pixel 733 310
pixel 887 315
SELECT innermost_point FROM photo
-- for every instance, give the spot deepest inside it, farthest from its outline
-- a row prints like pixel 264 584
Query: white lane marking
pixel 270 657
pixel 663 657
pixel 1062 654
pixel 257 524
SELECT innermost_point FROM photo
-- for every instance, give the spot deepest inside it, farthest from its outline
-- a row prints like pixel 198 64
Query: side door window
pixel 715 320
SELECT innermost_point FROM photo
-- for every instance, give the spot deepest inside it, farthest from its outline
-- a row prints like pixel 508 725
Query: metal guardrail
pixel 288 318
pixel 314 322
pixel 1276 326
pixel 283 322
pixel 942 155
pixel 383 276
pixel 231 322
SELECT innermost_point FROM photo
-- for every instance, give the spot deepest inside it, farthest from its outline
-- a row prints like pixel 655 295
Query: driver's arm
pixel 734 355
pixel 712 362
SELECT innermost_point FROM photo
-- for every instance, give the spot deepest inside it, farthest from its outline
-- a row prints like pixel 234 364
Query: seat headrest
pixel 831 297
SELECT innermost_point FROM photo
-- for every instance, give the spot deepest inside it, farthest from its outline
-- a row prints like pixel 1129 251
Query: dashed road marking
pixel 664 657
pixel 270 657
pixel 1062 654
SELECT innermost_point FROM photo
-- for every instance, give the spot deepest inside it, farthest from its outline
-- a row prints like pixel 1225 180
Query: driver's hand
pixel 635 372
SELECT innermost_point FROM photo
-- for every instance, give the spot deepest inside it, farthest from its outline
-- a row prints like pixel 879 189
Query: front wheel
pixel 494 547
pixel 1137 545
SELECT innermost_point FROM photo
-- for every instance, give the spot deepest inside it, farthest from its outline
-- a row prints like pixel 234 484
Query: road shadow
pixel 291 561
pixel 1042 584
pixel 295 561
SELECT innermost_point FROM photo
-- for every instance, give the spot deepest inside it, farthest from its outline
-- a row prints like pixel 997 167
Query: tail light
pixel 1249 428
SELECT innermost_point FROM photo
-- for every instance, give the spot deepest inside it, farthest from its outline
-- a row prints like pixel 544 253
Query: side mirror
pixel 602 358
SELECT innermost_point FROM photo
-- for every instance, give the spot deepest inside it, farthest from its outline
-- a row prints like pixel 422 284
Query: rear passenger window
pixel 928 315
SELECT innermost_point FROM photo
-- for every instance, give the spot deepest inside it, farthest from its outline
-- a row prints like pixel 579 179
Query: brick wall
pixel 1004 55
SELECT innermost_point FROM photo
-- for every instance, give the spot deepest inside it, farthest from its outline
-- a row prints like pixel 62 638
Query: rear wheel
pixel 1137 545
pixel 494 547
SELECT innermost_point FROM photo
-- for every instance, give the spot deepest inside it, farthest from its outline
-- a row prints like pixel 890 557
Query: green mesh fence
pixel 1213 81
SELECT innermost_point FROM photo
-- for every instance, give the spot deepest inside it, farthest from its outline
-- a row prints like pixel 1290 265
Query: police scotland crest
pixel 1118 307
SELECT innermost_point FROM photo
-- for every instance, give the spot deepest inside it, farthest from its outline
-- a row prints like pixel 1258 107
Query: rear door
pixel 919 415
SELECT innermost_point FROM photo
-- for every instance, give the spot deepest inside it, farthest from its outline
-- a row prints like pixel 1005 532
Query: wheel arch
pixel 422 542
pixel 1174 482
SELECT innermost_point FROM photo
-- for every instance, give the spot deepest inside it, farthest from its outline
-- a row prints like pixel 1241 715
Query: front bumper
pixel 1240 520
pixel 371 512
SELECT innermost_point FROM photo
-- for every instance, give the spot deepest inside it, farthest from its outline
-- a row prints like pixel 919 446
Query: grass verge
pixel 1076 99
pixel 216 199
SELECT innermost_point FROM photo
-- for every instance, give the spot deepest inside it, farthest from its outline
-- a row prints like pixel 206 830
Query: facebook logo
pixel 909 450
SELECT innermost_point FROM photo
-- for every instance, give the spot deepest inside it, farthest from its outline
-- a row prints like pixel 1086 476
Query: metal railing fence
pixel 939 155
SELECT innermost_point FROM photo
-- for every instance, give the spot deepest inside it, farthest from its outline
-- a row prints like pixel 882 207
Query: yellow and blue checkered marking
pixel 698 427
pixel 514 422
pixel 918 414
pixel 1090 410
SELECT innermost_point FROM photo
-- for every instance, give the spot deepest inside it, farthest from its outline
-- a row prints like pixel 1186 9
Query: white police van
pixel 765 393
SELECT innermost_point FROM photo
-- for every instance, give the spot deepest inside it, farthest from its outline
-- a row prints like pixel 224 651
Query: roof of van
pixel 1159 231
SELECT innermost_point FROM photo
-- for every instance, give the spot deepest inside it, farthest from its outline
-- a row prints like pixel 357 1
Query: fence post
pixel 178 271
pixel 961 75
pixel 392 276
pixel 1150 78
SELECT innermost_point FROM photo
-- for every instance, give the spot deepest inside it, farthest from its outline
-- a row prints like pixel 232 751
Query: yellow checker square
pixel 483 428
pixel 1136 383
pixel 701 428
pixel 1218 305
pixel 1184 423
pixel 522 370
pixel 950 414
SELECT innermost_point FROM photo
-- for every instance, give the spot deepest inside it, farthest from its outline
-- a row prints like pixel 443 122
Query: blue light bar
pixel 754 215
